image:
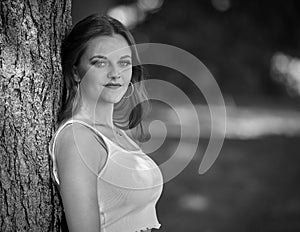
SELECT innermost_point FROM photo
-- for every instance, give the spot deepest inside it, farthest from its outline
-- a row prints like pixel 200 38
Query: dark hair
pixel 73 48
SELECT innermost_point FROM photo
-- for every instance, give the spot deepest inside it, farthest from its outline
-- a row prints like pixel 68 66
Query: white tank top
pixel 129 186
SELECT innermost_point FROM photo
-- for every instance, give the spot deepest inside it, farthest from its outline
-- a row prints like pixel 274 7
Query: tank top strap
pixel 111 145
pixel 106 140
pixel 53 142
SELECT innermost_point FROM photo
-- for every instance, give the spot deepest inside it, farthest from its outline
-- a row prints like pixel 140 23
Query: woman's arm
pixel 79 158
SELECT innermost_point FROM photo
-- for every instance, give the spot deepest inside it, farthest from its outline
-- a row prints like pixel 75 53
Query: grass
pixel 252 186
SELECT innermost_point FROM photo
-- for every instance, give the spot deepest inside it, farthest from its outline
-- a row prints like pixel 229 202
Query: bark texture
pixel 31 32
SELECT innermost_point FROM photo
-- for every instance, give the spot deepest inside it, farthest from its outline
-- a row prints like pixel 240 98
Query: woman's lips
pixel 112 86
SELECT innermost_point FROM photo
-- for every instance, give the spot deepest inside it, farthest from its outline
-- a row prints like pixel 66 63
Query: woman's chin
pixel 111 99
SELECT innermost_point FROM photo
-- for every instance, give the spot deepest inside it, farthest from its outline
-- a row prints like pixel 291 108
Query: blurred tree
pixel 30 35
pixel 81 9
pixel 236 44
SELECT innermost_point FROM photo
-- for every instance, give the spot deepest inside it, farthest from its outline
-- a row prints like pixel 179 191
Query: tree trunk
pixel 30 89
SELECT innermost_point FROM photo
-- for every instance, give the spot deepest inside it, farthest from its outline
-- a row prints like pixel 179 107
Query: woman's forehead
pixel 108 46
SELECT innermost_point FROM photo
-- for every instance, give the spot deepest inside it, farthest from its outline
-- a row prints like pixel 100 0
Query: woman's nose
pixel 113 73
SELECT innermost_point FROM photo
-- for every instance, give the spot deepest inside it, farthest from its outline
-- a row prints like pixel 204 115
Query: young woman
pixel 105 180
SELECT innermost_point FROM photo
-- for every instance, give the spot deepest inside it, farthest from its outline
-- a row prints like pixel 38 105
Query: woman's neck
pixel 101 114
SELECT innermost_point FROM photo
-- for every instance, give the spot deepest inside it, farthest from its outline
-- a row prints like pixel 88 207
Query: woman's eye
pixel 125 63
pixel 99 63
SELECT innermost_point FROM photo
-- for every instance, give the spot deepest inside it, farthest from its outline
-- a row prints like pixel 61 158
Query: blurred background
pixel 252 49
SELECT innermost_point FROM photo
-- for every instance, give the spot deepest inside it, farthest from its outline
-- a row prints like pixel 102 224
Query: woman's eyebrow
pixel 104 57
pixel 98 56
pixel 126 56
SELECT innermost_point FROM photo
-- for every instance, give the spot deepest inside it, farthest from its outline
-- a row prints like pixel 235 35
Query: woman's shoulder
pixel 72 132
pixel 77 141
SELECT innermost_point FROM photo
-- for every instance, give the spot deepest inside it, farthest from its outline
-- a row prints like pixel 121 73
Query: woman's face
pixel 104 69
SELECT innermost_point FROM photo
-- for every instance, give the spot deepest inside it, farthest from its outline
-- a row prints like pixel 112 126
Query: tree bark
pixel 30 89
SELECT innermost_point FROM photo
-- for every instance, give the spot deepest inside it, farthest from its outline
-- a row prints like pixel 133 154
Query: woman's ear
pixel 76 73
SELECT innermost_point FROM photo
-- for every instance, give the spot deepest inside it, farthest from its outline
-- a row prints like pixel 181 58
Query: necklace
pixel 114 130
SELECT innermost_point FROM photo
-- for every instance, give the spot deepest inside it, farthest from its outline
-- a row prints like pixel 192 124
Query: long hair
pixel 128 112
